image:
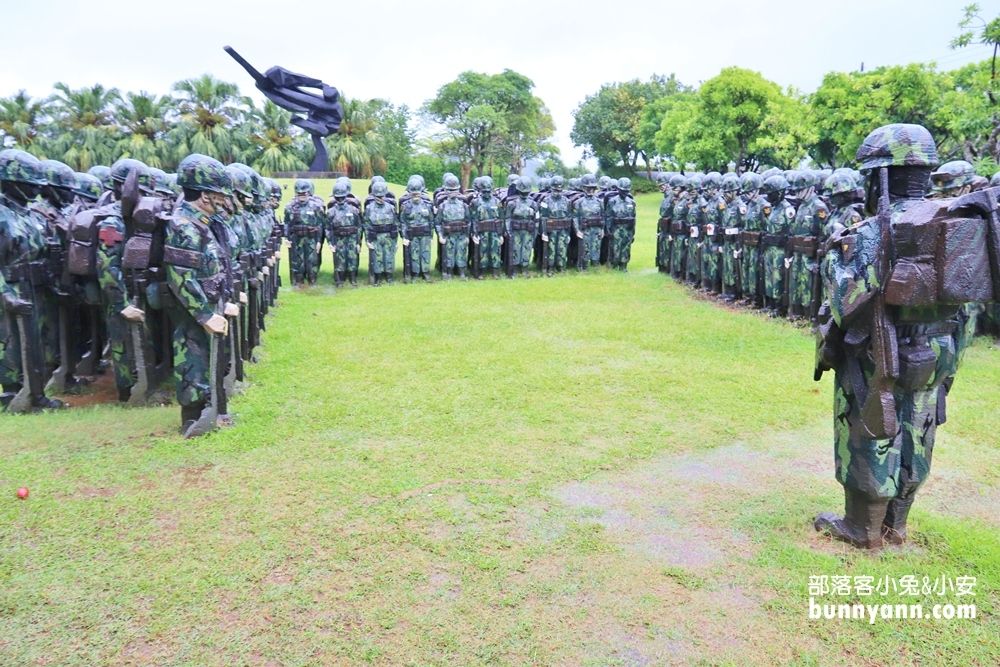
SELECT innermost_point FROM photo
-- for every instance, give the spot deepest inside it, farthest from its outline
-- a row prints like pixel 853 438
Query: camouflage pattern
pixel 521 211
pixel 662 227
pixel 114 295
pixel 622 235
pixel 455 245
pixel 952 178
pixel 88 187
pixel 733 218
pixel 417 213
pixel 810 218
pixel 383 260
pixel 20 167
pixel 556 209
pixel 697 214
pixel 711 249
pixel 305 219
pixel 488 207
pixel 202 173
pixel 345 248
pixel 189 230
pixel 679 239
pixel 898 145
pixel 758 209
pixel 778 222
pixel 588 207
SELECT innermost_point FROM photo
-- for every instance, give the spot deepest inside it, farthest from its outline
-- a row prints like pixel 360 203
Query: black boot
pixel 354 278
pixel 461 273
pixel 446 274
pixel 426 277
pixel 524 272
pixel 894 526
pixel 378 279
pixel 190 414
pixel 388 278
pixel 124 394
pixel 496 274
pixel 339 278
pixel 861 524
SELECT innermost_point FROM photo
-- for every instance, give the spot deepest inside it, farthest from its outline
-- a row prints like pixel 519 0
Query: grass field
pixel 583 470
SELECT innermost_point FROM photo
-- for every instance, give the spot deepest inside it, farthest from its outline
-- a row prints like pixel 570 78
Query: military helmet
pixel 172 181
pixel 677 181
pixel 750 181
pixel 574 184
pixel 303 186
pixel 954 174
pixel 477 183
pixel 588 181
pixel 341 190
pixel 730 182
pixel 378 179
pixel 898 145
pixel 275 187
pixel 801 179
pixel 444 178
pixel 256 184
pixel 240 179
pixel 121 169
pixel 346 181
pixel 202 173
pixel 88 187
pixel 450 182
pixel 776 183
pixel 487 183
pixel 625 184
pixel 770 172
pixel 693 182
pixel 101 173
pixel 58 174
pixel 161 183
pixel 21 167
pixel 839 182
pixel 544 183
pixel 995 180
pixel 380 189
pixel 711 180
pixel 556 183
pixel 524 185
pixel 414 185
pixel 604 181
pixel 662 178
pixel 512 179
pixel 822 175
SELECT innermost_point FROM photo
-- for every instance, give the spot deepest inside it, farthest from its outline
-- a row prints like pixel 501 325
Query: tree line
pixel 740 120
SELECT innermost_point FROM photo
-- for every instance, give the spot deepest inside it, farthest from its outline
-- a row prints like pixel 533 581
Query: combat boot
pixel 496 274
pixel 594 264
pixel 354 278
pixel 388 278
pixel 426 277
pixel 894 525
pixel 446 274
pixel 861 524
pixel 378 279
pixel 190 414
pixel 339 279
pixel 461 273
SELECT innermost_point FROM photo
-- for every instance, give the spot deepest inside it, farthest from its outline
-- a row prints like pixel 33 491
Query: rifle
pixel 229 381
pixel 544 247
pixel 208 420
pixel 371 265
pixel 786 263
pixel 86 365
pixel 508 260
pixel 24 400
pixel 407 259
pixel 816 288
pixel 878 416
pixel 477 255
pixel 57 382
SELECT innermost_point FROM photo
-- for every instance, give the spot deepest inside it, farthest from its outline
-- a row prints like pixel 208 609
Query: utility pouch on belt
pixel 83 230
pixel 750 239
pixel 916 365
pixel 664 225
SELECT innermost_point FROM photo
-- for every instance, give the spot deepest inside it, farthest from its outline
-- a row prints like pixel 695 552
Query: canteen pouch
pixel 917 363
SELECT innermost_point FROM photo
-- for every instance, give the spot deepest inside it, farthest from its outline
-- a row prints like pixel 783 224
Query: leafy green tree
pixel 274 144
pixel 208 110
pixel 393 125
pixel 357 148
pixel 22 120
pixel 969 111
pixel 607 124
pixel 143 120
pixel 84 132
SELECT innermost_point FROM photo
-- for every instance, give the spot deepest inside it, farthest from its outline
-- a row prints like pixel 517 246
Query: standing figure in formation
pixel 732 226
pixel 194 264
pixel 343 233
pixel 672 190
pixel 556 222
pixel 381 232
pixel 487 230
pixel 696 218
pixel 619 212
pixel 521 221
pixel 845 200
pixel 952 179
pixel 804 288
pixel 893 337
pixel 452 224
pixel 23 261
pixel 416 220
pixel 711 249
pixel 679 227
pixel 304 221
pixel 753 225
pixel 778 217
pixel 588 223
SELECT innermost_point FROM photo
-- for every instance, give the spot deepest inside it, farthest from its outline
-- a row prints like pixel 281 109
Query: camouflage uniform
pixel 619 214
pixel 452 223
pixel 732 226
pixel 521 222
pixel 679 226
pixel 777 220
pixel 343 233
pixel 881 475
pixel 588 223
pixel 114 295
pixel 711 248
pixel 305 218
pixel 806 231
pixel 696 218
pixel 487 225
pixel 556 222
pixel 753 225
pixel 381 232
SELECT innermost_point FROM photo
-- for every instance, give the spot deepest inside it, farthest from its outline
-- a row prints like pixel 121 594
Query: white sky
pixel 409 49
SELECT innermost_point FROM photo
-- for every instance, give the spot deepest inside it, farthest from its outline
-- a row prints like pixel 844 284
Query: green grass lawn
pixel 583 470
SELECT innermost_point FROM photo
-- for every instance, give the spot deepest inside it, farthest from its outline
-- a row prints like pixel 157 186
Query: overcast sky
pixel 409 49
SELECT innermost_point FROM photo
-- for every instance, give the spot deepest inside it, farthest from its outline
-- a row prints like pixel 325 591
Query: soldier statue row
pixel 135 271
pixel 485 232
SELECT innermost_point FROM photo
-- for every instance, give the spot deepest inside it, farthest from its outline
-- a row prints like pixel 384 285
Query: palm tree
pixel 144 118
pixel 84 122
pixel 22 119
pixel 357 148
pixel 208 110
pixel 272 144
